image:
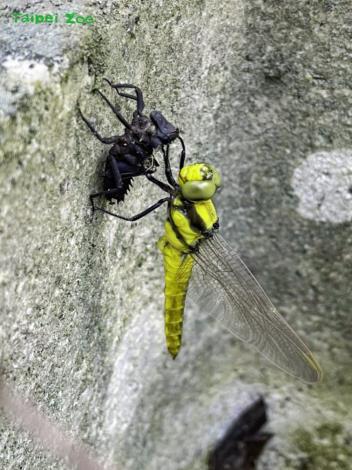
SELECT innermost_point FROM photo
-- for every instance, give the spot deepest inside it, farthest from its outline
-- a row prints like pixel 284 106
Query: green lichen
pixel 327 447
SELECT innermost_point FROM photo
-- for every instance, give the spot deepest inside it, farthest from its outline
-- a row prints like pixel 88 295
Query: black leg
pixel 137 216
pixel 115 110
pixel 183 153
pixel 168 171
pixel 109 193
pixel 163 186
pixel 104 140
pixel 138 97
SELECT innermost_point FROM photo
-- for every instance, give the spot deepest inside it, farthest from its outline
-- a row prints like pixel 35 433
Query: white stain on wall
pixel 323 185
pixel 26 73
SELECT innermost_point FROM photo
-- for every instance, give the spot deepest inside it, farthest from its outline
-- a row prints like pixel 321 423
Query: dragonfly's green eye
pixel 198 190
pixel 199 182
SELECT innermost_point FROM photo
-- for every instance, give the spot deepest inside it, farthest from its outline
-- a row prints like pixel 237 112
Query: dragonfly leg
pixel 137 216
pixel 183 153
pixel 168 171
pixel 163 186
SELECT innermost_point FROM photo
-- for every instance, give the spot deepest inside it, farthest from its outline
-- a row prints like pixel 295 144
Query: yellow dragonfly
pixel 198 260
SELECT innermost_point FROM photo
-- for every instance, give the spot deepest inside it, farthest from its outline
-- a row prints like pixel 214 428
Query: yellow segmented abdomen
pixel 175 294
pixel 183 230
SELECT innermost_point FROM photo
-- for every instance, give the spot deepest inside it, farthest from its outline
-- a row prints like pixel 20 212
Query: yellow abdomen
pixel 175 245
pixel 175 293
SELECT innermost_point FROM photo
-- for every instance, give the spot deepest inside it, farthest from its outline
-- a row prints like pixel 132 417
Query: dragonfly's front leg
pixel 137 216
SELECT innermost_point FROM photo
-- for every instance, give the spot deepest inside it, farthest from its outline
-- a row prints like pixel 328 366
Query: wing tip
pixel 312 373
pixel 316 375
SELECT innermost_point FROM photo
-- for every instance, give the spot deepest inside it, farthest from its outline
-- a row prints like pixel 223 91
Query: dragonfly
pixel 199 262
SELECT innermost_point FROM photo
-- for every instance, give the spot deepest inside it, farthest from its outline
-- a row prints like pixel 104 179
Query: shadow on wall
pixel 244 441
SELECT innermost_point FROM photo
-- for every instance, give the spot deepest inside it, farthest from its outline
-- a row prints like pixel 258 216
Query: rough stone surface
pixel 323 184
pixel 265 94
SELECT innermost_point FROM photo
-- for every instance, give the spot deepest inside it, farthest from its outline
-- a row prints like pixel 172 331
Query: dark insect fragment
pixel 243 442
pixel 132 153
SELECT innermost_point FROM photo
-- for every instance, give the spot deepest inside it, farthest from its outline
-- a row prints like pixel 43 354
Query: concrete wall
pixel 263 91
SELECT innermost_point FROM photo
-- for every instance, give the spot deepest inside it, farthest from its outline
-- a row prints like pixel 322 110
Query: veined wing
pixel 223 285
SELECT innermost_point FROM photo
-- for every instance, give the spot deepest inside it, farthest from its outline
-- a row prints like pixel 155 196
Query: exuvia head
pixel 140 123
pixel 199 182
pixel 165 131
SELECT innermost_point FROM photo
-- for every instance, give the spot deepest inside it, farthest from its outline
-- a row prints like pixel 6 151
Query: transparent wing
pixel 223 285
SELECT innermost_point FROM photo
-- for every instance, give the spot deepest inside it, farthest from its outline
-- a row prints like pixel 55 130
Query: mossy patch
pixel 328 447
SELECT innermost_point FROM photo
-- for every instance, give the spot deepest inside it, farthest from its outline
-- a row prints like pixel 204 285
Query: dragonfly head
pixel 199 182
